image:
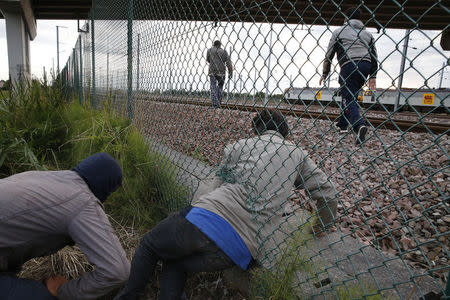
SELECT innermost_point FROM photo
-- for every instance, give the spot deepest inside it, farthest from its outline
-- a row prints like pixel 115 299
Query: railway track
pixel 386 122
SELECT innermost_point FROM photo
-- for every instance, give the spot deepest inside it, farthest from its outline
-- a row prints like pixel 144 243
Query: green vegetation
pixel 285 279
pixel 356 291
pixel 42 131
pixel 280 283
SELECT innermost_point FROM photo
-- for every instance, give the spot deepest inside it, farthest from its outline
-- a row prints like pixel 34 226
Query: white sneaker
pixel 362 131
pixel 339 129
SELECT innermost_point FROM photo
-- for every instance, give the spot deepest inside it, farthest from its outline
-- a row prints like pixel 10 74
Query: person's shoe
pixel 339 129
pixel 362 131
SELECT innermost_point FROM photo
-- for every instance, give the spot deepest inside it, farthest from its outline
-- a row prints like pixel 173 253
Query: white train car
pixel 425 98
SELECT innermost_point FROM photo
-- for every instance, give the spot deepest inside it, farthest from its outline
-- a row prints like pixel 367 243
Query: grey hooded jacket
pixel 258 175
pixel 41 212
pixel 218 58
pixel 352 43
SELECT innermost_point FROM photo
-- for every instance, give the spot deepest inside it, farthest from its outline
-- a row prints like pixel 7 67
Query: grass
pixel 4 94
pixel 43 131
pixel 280 283
pixel 32 129
pixel 357 291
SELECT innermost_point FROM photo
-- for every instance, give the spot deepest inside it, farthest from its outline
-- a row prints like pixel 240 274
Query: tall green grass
pixel 31 129
pixel 42 131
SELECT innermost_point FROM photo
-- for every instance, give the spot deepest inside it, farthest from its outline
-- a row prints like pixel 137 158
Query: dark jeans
pixel 217 83
pixel 352 78
pixel 182 247
pixel 13 288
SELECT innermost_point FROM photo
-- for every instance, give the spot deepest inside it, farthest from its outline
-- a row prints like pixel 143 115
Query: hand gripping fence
pixel 148 60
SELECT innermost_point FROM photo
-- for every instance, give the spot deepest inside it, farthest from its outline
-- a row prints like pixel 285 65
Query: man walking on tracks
pixel 238 220
pixel 357 57
pixel 218 59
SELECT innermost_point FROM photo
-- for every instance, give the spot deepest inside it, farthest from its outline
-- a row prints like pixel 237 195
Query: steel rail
pixel 377 122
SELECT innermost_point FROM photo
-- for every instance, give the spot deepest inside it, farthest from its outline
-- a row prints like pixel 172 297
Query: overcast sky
pixel 43 47
pixel 297 53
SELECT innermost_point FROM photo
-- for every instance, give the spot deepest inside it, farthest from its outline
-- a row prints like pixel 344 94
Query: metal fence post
pixel 138 62
pixel 75 75
pixel 266 98
pixel 107 71
pixel 130 59
pixel 402 68
pixel 93 99
pixel 80 82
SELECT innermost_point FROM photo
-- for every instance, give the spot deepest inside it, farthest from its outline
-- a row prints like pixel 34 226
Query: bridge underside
pixel 412 14
pixel 388 13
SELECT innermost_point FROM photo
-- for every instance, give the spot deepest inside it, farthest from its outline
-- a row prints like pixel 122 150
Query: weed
pixel 280 283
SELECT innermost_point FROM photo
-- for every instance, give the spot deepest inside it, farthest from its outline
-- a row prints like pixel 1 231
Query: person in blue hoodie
pixel 44 211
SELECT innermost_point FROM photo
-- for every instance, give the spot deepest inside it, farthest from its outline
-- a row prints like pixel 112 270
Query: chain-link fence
pixel 151 61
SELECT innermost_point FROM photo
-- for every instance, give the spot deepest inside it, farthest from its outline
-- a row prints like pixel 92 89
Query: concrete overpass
pixel 21 16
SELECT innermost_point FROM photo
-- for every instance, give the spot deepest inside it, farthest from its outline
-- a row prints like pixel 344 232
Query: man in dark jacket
pixel 44 211
pixel 357 57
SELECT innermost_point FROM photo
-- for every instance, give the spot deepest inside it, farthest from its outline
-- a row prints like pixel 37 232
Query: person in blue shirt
pixel 232 224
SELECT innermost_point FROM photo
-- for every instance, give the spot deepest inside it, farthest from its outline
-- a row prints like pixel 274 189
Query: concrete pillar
pixel 20 29
pixel 18 40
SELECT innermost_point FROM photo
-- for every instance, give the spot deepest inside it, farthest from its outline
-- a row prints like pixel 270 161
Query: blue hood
pixel 101 173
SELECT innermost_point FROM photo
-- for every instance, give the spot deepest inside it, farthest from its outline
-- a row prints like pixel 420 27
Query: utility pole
pixel 442 74
pixel 57 48
pixel 402 68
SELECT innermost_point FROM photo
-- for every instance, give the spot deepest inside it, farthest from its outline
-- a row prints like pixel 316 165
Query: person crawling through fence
pixel 44 211
pixel 221 228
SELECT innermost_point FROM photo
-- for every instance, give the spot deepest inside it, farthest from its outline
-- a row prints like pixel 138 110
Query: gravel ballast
pixel 393 191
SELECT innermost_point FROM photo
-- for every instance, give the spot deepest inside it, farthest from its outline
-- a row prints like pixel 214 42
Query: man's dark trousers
pixel 13 288
pixel 352 78
pixel 217 83
pixel 182 247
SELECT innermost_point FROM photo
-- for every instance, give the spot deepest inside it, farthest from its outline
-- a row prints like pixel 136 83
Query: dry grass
pixel 71 262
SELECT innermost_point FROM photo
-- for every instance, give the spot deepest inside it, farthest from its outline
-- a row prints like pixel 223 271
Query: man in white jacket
pixel 232 224
pixel 357 57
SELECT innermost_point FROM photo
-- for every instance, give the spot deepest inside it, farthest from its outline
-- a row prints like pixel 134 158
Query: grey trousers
pixel 217 83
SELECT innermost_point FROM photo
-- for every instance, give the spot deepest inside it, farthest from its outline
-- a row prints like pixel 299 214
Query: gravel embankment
pixel 393 191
